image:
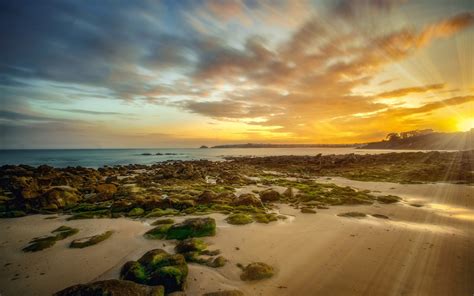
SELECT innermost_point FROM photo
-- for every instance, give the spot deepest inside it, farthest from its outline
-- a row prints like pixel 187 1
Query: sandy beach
pixel 423 250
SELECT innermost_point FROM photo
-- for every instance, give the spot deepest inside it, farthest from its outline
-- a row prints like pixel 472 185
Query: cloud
pixel 408 90
pixel 91 112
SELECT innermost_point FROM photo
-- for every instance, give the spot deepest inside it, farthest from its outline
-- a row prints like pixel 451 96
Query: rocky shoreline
pixel 244 189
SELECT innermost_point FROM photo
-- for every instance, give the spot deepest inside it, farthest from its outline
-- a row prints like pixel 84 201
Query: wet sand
pixel 424 250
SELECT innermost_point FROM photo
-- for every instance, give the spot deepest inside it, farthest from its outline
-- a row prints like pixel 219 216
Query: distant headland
pixel 426 139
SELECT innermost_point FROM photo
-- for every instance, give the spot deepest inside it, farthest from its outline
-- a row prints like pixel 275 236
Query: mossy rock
pixel 193 227
pixel 136 212
pixel 163 221
pixel 159 232
pixel 269 195
pixel 239 219
pixel 216 262
pixel 388 199
pixel 91 240
pixel 353 215
pixel 112 288
pixel 160 213
pixel 307 211
pixel 190 245
pixel 256 271
pixel 41 243
pixel 265 218
pixel 157 267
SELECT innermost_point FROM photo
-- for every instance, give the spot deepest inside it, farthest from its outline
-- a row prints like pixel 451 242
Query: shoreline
pixel 322 224
pixel 413 238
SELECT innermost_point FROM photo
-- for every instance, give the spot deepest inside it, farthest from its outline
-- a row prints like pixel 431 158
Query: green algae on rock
pixel 112 288
pixel 256 271
pixel 192 227
pixel 266 218
pixel 91 240
pixel 41 243
pixel 239 219
pixel 157 267
pixel 136 212
pixel 159 232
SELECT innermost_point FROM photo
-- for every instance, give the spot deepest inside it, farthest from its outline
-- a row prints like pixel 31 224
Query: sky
pixel 129 74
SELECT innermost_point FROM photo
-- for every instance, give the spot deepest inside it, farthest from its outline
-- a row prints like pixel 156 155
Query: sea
pixel 95 158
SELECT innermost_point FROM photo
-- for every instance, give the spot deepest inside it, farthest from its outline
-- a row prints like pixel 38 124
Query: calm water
pixel 99 157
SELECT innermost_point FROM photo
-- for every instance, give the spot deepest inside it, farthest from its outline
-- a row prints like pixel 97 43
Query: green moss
pixel 352 215
pixel 239 219
pixel 90 241
pixel 256 271
pixel 41 243
pixel 190 245
pixel 157 267
pixel 388 199
pixel 63 232
pixel 135 212
pixel 193 227
pixel 158 232
pixel 163 221
pixel 265 218
pixel 160 213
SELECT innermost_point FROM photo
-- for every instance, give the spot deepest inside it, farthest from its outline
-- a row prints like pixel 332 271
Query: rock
pixel 61 197
pixel 193 227
pixel 269 195
pixel 256 271
pixel 105 191
pixel 239 219
pixel 163 221
pixel 352 215
pixel 289 193
pixel 266 218
pixel 380 216
pixel 159 232
pixel 41 243
pixel 190 245
pixel 91 240
pixel 135 212
pixel 157 267
pixel 308 211
pixel 388 199
pixel 112 288
pixel 207 197
pixel 247 199
pixel 225 293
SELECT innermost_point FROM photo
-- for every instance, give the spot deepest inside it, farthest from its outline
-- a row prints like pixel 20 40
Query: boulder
pixel 112 288
pixel 269 195
pixel 157 267
pixel 193 227
pixel 256 271
pixel 247 199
